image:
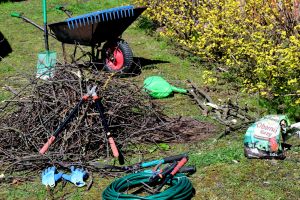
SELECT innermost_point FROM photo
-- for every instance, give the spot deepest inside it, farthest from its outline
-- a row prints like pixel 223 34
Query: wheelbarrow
pixel 95 28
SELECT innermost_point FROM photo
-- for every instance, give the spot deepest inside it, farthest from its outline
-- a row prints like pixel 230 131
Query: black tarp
pixel 5 47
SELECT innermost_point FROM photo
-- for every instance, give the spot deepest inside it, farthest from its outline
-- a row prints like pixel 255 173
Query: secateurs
pixel 152 182
pixel 141 165
pixel 100 108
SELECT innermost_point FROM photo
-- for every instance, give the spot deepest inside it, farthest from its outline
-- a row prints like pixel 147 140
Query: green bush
pixel 258 41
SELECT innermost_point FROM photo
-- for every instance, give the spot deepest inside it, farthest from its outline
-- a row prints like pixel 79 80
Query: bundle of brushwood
pixel 37 111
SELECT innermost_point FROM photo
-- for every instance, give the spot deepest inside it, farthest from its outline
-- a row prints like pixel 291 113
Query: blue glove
pixel 76 176
pixel 49 177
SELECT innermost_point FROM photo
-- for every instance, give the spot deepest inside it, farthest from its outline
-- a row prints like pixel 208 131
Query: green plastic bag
pixel 158 88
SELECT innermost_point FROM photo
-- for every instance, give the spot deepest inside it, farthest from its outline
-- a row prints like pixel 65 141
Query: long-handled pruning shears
pixel 142 165
pixel 90 93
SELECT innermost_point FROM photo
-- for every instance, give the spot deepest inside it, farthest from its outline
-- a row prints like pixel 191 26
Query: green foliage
pixel 284 105
pixel 26 191
pixel 146 24
pixel 4 95
pixel 163 146
pixel 257 41
pixel 225 154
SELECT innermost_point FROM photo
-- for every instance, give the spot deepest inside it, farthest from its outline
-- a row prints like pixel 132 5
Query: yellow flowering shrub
pixel 208 77
pixel 258 40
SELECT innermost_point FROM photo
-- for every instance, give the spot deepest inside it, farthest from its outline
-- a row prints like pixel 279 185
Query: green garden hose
pixel 181 188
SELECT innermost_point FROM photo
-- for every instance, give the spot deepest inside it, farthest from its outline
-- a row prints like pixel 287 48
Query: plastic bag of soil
pixel 263 138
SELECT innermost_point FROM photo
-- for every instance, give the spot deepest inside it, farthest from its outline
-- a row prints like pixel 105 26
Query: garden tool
pixel 180 188
pixel 47 59
pixel 139 166
pixel 158 88
pixel 165 175
pixel 168 174
pixel 91 29
pixel 90 93
pixel 113 146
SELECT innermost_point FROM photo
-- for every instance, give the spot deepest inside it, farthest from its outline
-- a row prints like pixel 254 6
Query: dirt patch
pixel 184 129
pixel 191 130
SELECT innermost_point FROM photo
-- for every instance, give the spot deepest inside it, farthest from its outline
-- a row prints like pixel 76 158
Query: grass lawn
pixel 222 170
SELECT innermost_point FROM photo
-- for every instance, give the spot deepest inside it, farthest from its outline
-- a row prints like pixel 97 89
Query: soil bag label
pixel 266 129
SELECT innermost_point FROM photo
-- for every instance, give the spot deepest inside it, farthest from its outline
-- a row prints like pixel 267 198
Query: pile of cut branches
pixel 230 115
pixel 39 110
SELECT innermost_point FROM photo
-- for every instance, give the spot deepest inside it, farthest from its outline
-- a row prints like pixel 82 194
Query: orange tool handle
pixel 113 147
pixel 180 164
pixel 47 144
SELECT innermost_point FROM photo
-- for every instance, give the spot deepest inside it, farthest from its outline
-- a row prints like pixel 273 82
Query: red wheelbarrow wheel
pixel 117 56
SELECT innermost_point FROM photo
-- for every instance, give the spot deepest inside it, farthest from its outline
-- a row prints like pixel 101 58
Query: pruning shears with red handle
pixel 111 141
pixel 169 173
pixel 100 108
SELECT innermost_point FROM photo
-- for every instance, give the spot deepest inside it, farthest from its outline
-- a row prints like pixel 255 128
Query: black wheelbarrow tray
pixel 94 28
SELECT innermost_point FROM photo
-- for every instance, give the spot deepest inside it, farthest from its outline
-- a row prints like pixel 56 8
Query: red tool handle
pixel 113 147
pixel 180 164
pixel 47 144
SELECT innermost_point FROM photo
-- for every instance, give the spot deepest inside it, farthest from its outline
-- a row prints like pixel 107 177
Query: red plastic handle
pixel 113 147
pixel 47 144
pixel 180 164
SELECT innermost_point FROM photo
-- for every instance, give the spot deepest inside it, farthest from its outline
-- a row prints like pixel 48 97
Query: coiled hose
pixel 180 189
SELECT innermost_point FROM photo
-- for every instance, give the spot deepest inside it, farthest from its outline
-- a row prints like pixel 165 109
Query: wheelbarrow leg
pixel 64 52
pixel 74 54
pixel 93 53
pixel 97 53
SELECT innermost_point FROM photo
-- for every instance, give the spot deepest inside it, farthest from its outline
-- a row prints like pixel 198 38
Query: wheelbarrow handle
pixel 16 14
pixel 66 11
pixel 20 15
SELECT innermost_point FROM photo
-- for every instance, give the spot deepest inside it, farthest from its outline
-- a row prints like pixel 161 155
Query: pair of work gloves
pixel 50 176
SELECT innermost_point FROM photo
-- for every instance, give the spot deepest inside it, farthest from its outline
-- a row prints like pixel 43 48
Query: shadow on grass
pixel 5 47
pixel 144 63
pixel 139 63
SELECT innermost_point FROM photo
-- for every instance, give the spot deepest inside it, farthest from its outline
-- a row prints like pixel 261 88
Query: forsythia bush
pixel 258 40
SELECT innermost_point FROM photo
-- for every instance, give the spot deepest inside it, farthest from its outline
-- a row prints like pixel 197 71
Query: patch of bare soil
pixel 192 130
